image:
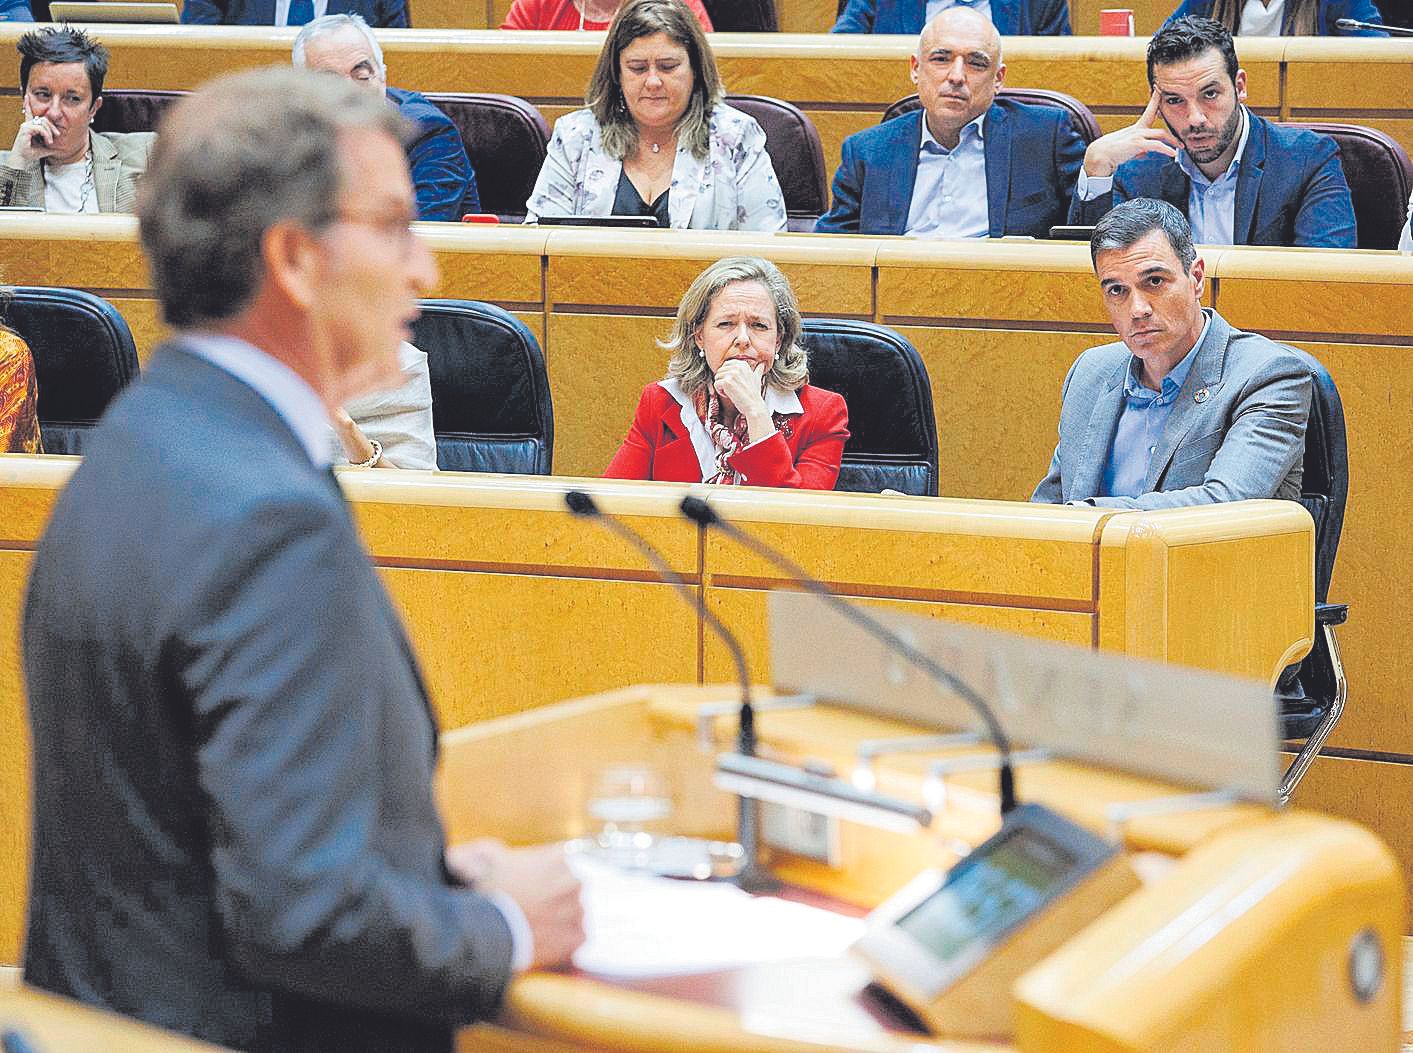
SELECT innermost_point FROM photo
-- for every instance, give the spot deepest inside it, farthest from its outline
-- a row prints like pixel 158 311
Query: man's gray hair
pixel 236 157
pixel 327 24
pixel 1134 220
pixel 790 371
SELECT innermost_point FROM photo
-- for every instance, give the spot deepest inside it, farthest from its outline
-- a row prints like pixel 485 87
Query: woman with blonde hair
pixel 736 406
pixel 656 139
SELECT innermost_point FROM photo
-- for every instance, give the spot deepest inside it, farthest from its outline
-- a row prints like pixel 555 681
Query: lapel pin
pixel 1201 395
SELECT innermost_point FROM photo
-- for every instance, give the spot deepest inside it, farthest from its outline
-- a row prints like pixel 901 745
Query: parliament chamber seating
pixel 743 16
pixel 1312 693
pixel 1379 175
pixel 491 408
pixel 83 355
pixel 505 138
pixel 892 428
pixel 1081 119
pixel 796 155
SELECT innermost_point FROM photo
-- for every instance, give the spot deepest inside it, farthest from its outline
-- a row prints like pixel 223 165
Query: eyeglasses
pixel 397 228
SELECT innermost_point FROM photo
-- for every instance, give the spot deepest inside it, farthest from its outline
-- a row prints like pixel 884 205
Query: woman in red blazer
pixel 735 407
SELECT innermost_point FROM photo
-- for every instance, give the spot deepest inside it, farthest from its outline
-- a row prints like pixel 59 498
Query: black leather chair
pixel 743 16
pixel 795 152
pixel 491 406
pixel 506 139
pixel 893 430
pixel 133 111
pixel 83 356
pixel 1080 116
pixel 1312 693
pixel 1379 175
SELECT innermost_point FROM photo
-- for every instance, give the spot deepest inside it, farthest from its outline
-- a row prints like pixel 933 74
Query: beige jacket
pixel 119 159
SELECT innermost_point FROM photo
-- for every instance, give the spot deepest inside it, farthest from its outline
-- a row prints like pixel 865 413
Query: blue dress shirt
pixel 936 7
pixel 1141 424
pixel 949 194
pixel 1211 203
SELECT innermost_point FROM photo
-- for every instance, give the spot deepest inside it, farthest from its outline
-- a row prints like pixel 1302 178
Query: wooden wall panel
pixel 744 613
pixel 598 367
pixel 1375 793
pixel 494 644
pixel 14 759
pixel 1374 569
pixel 995 440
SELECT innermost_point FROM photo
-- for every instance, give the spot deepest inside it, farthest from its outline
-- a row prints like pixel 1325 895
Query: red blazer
pixel 658 446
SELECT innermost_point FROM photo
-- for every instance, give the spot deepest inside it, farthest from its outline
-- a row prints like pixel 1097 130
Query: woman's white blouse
pixel 732 188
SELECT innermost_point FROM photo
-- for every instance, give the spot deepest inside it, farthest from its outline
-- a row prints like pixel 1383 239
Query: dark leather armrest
pixel 1331 613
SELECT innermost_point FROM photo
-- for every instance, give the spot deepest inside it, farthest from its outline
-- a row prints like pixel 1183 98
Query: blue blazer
pixel 1329 11
pixel 1013 18
pixel 441 171
pixel 384 13
pixel 15 11
pixel 1032 160
pixel 1290 189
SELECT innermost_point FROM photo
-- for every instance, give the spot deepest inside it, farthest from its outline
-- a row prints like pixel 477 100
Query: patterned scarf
pixel 726 440
pixel 19 398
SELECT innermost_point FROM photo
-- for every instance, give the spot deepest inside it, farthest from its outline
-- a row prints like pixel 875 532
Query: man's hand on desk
pixel 541 884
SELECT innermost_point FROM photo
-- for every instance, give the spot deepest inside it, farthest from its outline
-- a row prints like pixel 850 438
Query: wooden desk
pixel 844 83
pixel 1285 869
pixel 54 1024
pixel 512 603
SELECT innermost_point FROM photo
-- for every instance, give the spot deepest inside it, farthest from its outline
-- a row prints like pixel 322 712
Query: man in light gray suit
pixel 234 830
pixel 1184 410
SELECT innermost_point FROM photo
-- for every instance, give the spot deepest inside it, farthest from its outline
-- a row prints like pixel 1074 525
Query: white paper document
pixel 642 926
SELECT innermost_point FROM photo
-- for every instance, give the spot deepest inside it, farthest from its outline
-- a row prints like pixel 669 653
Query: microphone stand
pixel 753 877
pixel 1353 23
pixel 697 510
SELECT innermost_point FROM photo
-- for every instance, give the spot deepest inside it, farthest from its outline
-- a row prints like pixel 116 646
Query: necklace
pixel 656 148
pixel 89 182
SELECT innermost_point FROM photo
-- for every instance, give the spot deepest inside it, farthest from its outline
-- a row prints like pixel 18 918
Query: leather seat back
pixel 491 408
pixel 83 356
pixel 893 429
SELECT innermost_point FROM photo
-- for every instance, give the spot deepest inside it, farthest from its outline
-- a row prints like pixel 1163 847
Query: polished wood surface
pixel 1236 895
pixel 513 603
pixel 843 83
pixel 51 1024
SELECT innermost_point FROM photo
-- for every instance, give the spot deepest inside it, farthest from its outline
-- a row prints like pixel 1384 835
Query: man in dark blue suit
pixel 441 171
pixel 382 13
pixel 966 164
pixel 1238 178
pixel 1013 18
pixel 233 747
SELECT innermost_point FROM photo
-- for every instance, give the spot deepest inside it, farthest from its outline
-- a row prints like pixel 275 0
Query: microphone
pixel 1348 24
pixel 752 877
pixel 701 513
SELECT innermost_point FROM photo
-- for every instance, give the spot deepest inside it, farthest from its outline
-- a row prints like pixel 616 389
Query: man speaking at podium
pixel 234 832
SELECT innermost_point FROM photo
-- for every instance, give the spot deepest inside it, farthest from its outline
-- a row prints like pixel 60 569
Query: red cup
pixel 1116 22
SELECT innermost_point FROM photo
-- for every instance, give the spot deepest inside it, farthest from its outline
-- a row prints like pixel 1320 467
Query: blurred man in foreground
pixel 234 830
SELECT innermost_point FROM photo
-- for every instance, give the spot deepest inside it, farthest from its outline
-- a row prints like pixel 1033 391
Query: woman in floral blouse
pixel 656 139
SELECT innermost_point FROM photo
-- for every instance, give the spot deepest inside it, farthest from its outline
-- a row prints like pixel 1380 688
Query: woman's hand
pixel 739 382
pixel 34 141
pixel 356 446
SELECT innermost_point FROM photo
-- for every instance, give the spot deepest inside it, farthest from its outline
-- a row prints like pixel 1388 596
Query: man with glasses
pixel 441 172
pixel 234 829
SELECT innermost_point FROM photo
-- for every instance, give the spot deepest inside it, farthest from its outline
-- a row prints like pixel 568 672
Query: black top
pixel 628 202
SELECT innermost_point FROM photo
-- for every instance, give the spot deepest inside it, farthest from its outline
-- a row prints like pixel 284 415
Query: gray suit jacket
pixel 234 830
pixel 1244 438
pixel 119 160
